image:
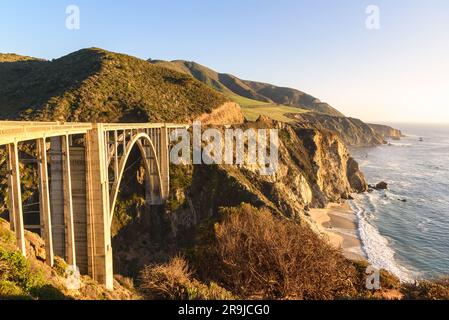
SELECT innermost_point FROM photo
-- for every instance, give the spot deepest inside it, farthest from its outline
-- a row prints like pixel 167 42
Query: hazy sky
pixel 397 73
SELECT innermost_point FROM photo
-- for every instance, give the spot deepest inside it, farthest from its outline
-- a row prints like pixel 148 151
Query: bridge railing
pixel 16 131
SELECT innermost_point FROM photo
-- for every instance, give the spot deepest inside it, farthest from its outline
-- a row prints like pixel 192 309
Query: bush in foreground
pixel 257 255
pixel 427 290
pixel 17 280
pixel 173 281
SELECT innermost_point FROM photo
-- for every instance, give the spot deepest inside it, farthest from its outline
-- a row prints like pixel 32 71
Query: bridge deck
pixel 18 131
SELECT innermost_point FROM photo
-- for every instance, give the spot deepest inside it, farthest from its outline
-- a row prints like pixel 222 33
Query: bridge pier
pixel 78 174
pixel 98 220
pixel 44 201
pixel 62 199
pixel 165 163
pixel 16 197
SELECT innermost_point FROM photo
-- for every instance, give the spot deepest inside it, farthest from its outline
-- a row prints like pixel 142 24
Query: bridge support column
pixel 16 199
pixel 44 201
pixel 10 202
pixel 78 170
pixel 164 163
pixel 99 232
pixel 61 199
pixel 152 184
pixel 70 252
pixel 57 196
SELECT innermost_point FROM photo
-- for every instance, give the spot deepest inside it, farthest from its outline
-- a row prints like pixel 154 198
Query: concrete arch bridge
pixel 80 167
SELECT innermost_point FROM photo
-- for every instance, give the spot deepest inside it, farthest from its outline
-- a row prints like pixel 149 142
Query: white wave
pixel 375 246
pixel 398 144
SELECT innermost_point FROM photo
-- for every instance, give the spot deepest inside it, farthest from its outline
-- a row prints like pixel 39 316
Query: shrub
pixel 6 236
pixel 60 266
pixel 9 290
pixel 17 278
pixel 19 270
pixel 427 290
pixel 125 282
pixel 260 256
pixel 173 281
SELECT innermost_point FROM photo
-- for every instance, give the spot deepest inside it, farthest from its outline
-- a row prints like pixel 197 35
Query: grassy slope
pixel 97 85
pixel 253 105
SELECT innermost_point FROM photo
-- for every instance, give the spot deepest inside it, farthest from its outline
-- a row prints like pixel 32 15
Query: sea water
pixel 405 229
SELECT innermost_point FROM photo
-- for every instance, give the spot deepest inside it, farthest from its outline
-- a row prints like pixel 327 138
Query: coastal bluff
pixel 386 131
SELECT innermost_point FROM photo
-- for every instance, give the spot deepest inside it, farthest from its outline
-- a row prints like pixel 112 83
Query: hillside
pixel 97 85
pixel 284 104
pixel 353 132
pixel 387 131
pixel 30 278
pixel 259 93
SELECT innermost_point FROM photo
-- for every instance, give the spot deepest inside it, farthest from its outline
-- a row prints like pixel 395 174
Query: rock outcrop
pixel 355 176
pixel 353 132
pixel 228 113
pixel 387 132
pixel 382 186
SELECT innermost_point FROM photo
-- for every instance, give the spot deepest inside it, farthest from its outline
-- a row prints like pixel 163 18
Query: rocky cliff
pixel 353 132
pixel 387 132
pixel 315 168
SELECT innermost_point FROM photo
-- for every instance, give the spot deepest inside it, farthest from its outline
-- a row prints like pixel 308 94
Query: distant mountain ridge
pixel 231 85
pixel 310 111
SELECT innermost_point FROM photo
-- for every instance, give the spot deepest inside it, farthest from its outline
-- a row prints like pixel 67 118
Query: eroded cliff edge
pixel 386 131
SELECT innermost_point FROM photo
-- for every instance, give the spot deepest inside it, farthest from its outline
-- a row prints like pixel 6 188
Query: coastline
pixel 338 223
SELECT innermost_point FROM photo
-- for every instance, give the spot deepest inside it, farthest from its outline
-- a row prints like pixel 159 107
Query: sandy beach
pixel 338 222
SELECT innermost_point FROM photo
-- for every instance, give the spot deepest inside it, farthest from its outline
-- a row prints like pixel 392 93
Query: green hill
pixel 99 86
pixel 251 93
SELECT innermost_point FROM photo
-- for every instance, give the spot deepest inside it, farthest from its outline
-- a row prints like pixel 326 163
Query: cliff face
pixel 387 132
pixel 314 168
pixel 228 113
pixel 353 132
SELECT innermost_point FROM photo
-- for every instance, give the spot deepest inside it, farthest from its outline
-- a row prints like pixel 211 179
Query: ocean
pixel 410 239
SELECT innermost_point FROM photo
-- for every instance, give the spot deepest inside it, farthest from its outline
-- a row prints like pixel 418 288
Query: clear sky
pixel 398 73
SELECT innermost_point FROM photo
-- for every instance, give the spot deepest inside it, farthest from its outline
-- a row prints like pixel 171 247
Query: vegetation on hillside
pixel 260 256
pixel 32 278
pixel 174 281
pixel 246 91
pixel 273 111
pixel 96 85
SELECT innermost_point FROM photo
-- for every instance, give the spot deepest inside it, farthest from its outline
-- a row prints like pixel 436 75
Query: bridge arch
pixel 148 152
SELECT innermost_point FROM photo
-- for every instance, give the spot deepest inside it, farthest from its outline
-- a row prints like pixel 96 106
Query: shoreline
pixel 338 223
